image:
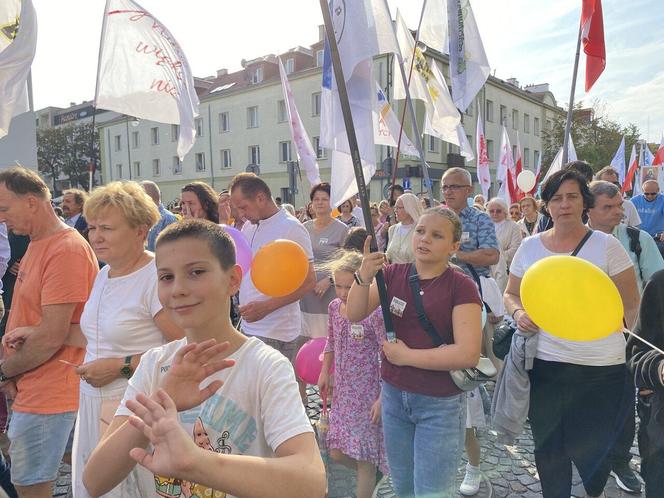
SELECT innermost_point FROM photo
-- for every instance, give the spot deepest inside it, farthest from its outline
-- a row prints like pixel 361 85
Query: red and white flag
pixel 659 155
pixel 505 165
pixel 515 191
pixel 633 166
pixel 143 71
pixel 305 152
pixel 483 172
pixel 592 36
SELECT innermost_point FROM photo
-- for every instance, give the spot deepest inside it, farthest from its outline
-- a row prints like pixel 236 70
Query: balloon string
pixel 644 341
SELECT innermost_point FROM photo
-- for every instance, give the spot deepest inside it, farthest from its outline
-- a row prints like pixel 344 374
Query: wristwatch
pixel 126 371
pixel 359 281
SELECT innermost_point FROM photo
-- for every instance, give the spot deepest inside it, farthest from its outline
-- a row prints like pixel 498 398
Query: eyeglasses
pixel 650 194
pixel 445 188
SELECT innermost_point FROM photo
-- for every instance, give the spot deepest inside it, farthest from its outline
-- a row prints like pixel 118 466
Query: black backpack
pixel 635 245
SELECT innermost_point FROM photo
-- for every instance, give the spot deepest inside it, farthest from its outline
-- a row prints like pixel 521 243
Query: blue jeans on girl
pixel 424 439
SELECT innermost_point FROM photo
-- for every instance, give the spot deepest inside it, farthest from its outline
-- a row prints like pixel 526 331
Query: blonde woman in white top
pixel 408 209
pixel 509 238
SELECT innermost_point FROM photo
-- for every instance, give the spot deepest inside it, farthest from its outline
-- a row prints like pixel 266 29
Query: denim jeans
pixel 424 439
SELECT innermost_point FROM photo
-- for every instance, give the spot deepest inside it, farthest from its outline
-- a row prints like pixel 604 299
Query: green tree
pixel 66 151
pixel 596 137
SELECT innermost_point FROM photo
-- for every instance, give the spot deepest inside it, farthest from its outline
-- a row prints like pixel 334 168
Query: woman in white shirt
pixel 580 392
pixel 121 320
pixel 408 209
pixel 528 224
pixel 509 238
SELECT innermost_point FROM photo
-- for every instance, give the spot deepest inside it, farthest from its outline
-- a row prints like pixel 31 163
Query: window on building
pixel 536 157
pixel 282 115
pixel 503 115
pixel 257 75
pixel 254 154
pixel 290 66
pixel 175 132
pixel 118 171
pixel 199 161
pixel 526 123
pixel 224 122
pixel 549 124
pixel 135 140
pixel 536 127
pixel 488 112
pixel 156 167
pixel 515 119
pixel 137 169
pixel 177 165
pixel 252 117
pixel 154 136
pixel 514 152
pixel 470 139
pixel 432 144
pixel 117 143
pixel 285 151
pixel 199 127
pixel 489 150
pixel 320 55
pixel 320 151
pixel 526 157
pixel 315 104
pixel 226 158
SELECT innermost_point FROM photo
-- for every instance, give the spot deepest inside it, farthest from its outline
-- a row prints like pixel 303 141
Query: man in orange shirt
pixel 53 284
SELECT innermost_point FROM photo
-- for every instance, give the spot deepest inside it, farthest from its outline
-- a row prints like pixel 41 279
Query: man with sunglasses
pixel 650 206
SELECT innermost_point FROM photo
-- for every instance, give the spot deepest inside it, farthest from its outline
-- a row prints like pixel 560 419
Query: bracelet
pixel 358 280
pixel 514 313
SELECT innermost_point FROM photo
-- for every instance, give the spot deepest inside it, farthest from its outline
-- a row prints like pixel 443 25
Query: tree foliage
pixel 66 151
pixel 596 137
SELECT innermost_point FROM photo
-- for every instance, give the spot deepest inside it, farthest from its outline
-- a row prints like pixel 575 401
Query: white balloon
pixel 526 180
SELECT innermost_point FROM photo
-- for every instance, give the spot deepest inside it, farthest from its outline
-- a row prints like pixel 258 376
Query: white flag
pixel 360 88
pixel 143 72
pixel 557 163
pixel 505 164
pixel 483 172
pixel 469 67
pixel 363 29
pixel 433 31
pixel 618 161
pixel 305 152
pixel 18 43
pixel 387 126
pixel 428 84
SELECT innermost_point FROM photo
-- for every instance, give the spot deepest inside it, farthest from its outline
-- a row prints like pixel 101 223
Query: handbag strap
pixel 582 243
pixel 414 281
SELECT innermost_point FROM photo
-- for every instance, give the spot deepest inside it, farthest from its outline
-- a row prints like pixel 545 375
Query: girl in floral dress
pixel 355 437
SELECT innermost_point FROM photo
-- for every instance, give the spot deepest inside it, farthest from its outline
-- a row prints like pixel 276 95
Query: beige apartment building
pixel 243 127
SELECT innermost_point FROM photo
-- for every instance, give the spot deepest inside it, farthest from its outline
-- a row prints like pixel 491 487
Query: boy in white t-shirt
pixel 245 433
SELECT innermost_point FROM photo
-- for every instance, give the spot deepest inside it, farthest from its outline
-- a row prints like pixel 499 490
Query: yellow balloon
pixel 571 298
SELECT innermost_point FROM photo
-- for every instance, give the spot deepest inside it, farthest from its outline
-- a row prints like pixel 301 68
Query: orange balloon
pixel 279 268
pixel 335 213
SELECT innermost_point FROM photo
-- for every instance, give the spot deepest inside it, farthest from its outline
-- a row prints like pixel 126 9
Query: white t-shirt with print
pixel 604 251
pixel 283 324
pixel 256 410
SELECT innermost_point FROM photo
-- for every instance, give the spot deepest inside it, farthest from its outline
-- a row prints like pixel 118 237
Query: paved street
pixel 509 472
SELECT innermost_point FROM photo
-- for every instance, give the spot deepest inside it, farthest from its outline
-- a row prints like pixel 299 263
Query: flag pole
pixel 357 162
pixel 411 107
pixel 570 109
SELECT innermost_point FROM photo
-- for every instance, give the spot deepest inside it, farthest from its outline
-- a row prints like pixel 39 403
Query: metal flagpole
pixel 357 162
pixel 570 110
pixel 411 107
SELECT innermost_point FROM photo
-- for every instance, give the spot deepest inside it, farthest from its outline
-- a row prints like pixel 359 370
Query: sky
pixel 531 40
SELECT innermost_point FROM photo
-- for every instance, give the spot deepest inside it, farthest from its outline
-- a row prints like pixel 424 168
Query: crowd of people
pixel 135 348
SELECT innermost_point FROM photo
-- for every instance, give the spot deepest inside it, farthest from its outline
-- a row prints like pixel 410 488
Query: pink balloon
pixel 309 360
pixel 243 255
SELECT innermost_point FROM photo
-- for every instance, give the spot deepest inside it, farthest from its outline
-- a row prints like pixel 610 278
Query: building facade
pixel 243 126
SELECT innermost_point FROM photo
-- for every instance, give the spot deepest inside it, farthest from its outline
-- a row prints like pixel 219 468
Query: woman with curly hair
pixel 199 200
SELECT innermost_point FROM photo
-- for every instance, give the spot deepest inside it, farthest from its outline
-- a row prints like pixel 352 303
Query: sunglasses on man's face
pixel 650 194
